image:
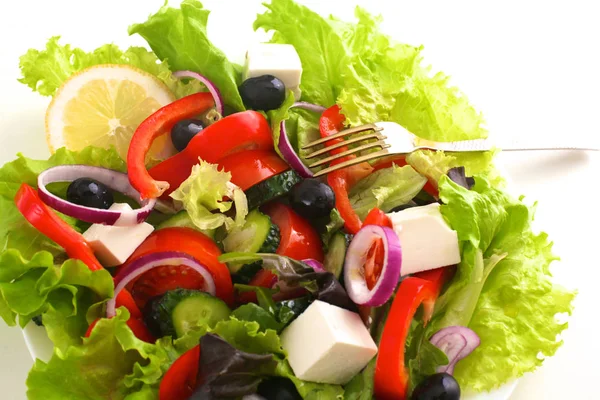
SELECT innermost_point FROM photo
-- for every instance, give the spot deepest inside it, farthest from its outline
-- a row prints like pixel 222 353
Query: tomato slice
pixel 180 379
pixel 251 167
pixel 162 279
pixel 184 240
pixel 299 240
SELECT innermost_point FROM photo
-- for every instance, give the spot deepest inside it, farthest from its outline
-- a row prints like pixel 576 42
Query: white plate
pixel 21 122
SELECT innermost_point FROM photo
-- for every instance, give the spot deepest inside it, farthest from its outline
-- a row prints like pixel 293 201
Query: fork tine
pixel 343 133
pixel 348 152
pixel 346 142
pixel 352 162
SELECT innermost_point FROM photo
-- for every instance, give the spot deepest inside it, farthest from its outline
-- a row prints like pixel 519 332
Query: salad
pixel 176 245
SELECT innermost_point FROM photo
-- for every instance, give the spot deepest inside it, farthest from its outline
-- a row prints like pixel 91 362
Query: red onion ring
pixel 286 148
pixel 154 260
pixel 314 264
pixel 457 342
pixel 214 91
pixel 115 180
pixel 354 278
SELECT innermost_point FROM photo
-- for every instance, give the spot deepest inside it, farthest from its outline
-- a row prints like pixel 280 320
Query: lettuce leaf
pixel 46 70
pixel 179 37
pixel 111 364
pixel 279 115
pixel 503 288
pixel 371 76
pixel 386 189
pixel 15 232
pixel 203 191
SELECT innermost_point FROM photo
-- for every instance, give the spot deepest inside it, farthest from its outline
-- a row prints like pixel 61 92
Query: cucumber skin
pixel 270 189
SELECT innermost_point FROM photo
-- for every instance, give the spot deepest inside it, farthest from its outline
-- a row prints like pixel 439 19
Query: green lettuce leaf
pixel 111 364
pixel 371 76
pixel 15 231
pixel 435 164
pixel 503 288
pixel 203 191
pixel 62 294
pixel 386 189
pixel 179 37
pixel 46 70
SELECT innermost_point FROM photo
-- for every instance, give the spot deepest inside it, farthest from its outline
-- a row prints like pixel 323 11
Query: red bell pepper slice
pixel 331 122
pixel 180 379
pixel 50 225
pixel 152 127
pixel 376 254
pixel 391 376
pixel 250 167
pixel 236 133
pixel 184 240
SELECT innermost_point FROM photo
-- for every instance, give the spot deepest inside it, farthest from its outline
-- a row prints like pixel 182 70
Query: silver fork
pixel 398 140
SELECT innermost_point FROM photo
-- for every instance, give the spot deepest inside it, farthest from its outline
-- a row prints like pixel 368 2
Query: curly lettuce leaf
pixel 15 231
pixel 46 70
pixel 179 37
pixel 203 191
pixel 503 288
pixel 386 189
pixel 111 364
pixel 371 76
pixel 61 294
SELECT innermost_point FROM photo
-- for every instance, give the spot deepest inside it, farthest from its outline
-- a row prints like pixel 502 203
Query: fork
pixel 398 141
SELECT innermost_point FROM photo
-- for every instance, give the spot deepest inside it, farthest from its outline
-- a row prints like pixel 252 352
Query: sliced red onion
pixel 354 277
pixel 457 342
pixel 214 91
pixel 154 260
pixel 316 265
pixel 115 180
pixel 286 148
pixel 309 107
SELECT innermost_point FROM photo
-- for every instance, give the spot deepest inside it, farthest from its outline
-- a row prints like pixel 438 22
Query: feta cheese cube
pixel 279 60
pixel 114 244
pixel 327 344
pixel 426 239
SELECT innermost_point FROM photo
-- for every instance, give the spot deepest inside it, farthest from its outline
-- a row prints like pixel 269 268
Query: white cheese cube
pixel 279 60
pixel 114 244
pixel 426 240
pixel 327 344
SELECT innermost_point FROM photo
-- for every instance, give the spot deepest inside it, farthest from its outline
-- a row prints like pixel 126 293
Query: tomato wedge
pixel 236 133
pixel 160 280
pixel 299 240
pixel 180 379
pixel 253 166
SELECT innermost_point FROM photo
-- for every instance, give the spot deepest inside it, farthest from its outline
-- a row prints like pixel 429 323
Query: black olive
pixel 403 207
pixel 264 92
pixel 312 199
pixel 183 131
pixel 278 389
pixel 90 193
pixel 440 386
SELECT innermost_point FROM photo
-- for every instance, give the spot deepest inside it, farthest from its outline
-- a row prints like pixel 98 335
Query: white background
pixel 533 68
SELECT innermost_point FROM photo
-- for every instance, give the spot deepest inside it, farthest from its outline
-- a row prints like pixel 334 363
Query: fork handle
pixel 513 145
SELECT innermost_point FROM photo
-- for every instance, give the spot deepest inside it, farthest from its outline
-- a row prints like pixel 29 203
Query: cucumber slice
pixel 183 220
pixel 336 254
pixel 258 235
pixel 269 189
pixel 179 310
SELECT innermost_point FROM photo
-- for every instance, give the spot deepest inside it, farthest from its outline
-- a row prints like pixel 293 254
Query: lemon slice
pixel 102 106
